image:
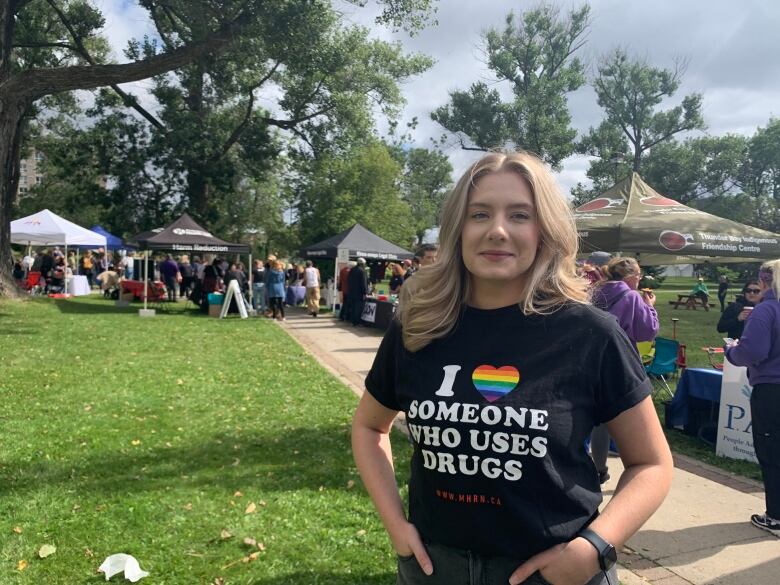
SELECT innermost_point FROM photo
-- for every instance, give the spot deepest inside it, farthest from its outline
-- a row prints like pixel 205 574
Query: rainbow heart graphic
pixel 493 383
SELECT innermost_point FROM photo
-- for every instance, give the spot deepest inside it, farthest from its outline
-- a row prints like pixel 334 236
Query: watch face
pixel 610 556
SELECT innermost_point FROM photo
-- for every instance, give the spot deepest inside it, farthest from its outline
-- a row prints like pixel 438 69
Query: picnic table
pixel 691 302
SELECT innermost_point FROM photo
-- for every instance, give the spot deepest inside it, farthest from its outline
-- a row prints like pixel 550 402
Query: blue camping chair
pixel 664 361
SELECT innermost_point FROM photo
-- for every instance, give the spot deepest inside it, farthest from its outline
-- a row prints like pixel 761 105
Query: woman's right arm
pixel 374 458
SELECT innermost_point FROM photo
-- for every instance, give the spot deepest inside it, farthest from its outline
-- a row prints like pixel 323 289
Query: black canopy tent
pixel 355 242
pixel 358 243
pixel 183 235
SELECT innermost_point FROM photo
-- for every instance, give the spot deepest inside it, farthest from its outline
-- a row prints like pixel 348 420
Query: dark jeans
pixel 171 285
pixel 722 298
pixel 765 409
pixel 460 567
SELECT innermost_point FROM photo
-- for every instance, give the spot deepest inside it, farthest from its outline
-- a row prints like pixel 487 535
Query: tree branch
pixel 288 124
pixel 236 134
pixel 36 83
pixel 128 100
pixel 46 46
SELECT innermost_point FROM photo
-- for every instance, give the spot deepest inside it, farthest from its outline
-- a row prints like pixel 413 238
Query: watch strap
pixel 601 546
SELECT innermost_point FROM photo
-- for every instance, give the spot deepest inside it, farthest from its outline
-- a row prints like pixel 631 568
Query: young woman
pixel 635 313
pixel 759 349
pixel 732 321
pixel 275 287
pixel 503 368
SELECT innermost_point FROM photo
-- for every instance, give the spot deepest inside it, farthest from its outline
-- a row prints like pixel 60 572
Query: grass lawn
pixel 174 439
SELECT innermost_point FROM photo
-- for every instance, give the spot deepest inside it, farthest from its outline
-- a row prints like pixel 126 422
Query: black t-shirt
pixel 499 412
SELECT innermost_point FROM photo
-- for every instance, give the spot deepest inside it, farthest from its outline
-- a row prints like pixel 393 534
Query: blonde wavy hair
pixel 432 300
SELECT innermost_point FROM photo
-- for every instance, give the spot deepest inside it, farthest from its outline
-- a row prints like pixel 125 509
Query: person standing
pixel 732 321
pixel 358 289
pixel 258 287
pixel 169 274
pixel 723 288
pixel 311 279
pixel 275 287
pixel 636 315
pixel 503 368
pixel 345 311
pixel 187 276
pixel 87 266
pixel 759 350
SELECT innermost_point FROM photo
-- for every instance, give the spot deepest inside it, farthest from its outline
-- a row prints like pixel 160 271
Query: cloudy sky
pixel 732 48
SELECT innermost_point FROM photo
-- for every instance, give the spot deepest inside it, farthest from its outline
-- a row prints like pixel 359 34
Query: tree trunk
pixel 11 118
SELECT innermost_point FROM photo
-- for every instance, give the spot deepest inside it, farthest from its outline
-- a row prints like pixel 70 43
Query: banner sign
pixel 735 423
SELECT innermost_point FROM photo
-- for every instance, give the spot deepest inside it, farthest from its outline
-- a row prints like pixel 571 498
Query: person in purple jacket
pixel 759 350
pixel 636 315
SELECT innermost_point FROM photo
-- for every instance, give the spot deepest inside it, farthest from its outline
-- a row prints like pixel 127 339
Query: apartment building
pixel 30 172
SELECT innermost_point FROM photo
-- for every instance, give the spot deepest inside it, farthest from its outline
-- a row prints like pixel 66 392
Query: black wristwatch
pixel 607 552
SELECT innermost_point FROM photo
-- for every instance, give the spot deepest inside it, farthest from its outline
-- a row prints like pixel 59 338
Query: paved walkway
pixel 701 535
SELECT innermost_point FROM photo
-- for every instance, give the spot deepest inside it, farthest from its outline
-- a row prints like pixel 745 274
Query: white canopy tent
pixel 49 229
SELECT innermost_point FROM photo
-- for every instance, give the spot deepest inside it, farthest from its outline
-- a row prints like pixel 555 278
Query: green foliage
pixel 652 276
pixel 534 54
pixel 427 179
pixel 363 186
pixel 630 92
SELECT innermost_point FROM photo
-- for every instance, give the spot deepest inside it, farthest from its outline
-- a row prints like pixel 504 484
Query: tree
pixel 630 91
pixel 535 55
pixel 52 47
pixel 427 178
pixel 362 186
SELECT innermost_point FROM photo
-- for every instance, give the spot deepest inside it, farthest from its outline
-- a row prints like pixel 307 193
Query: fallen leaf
pixel 188 506
pixel 18 529
pixel 350 484
pixel 261 546
pixel 224 535
pixel 218 581
pixel 135 442
pixel 254 555
pixel 251 508
pixel 21 565
pixel 180 381
pixel 361 533
pixel 249 541
pixel 47 550
pixel 261 503
pixel 88 553
pixel 238 495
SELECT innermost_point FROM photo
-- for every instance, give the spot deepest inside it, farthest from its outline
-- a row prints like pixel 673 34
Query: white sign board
pixel 369 312
pixel 735 423
pixel 342 255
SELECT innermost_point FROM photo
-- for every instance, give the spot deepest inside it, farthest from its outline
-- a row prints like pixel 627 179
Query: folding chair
pixel 664 361
pixel 32 283
pixel 646 351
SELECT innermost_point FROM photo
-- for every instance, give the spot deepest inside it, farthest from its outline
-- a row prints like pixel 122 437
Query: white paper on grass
pixel 121 562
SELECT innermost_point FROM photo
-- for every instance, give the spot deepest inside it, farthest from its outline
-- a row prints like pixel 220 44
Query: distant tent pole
pixel 65 272
pixel 251 279
pixel 146 276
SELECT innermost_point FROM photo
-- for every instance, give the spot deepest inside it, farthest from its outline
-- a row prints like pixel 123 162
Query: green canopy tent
pixel 633 219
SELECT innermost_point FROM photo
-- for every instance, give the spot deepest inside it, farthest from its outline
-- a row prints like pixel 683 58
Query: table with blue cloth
pixel 696 402
pixel 296 295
